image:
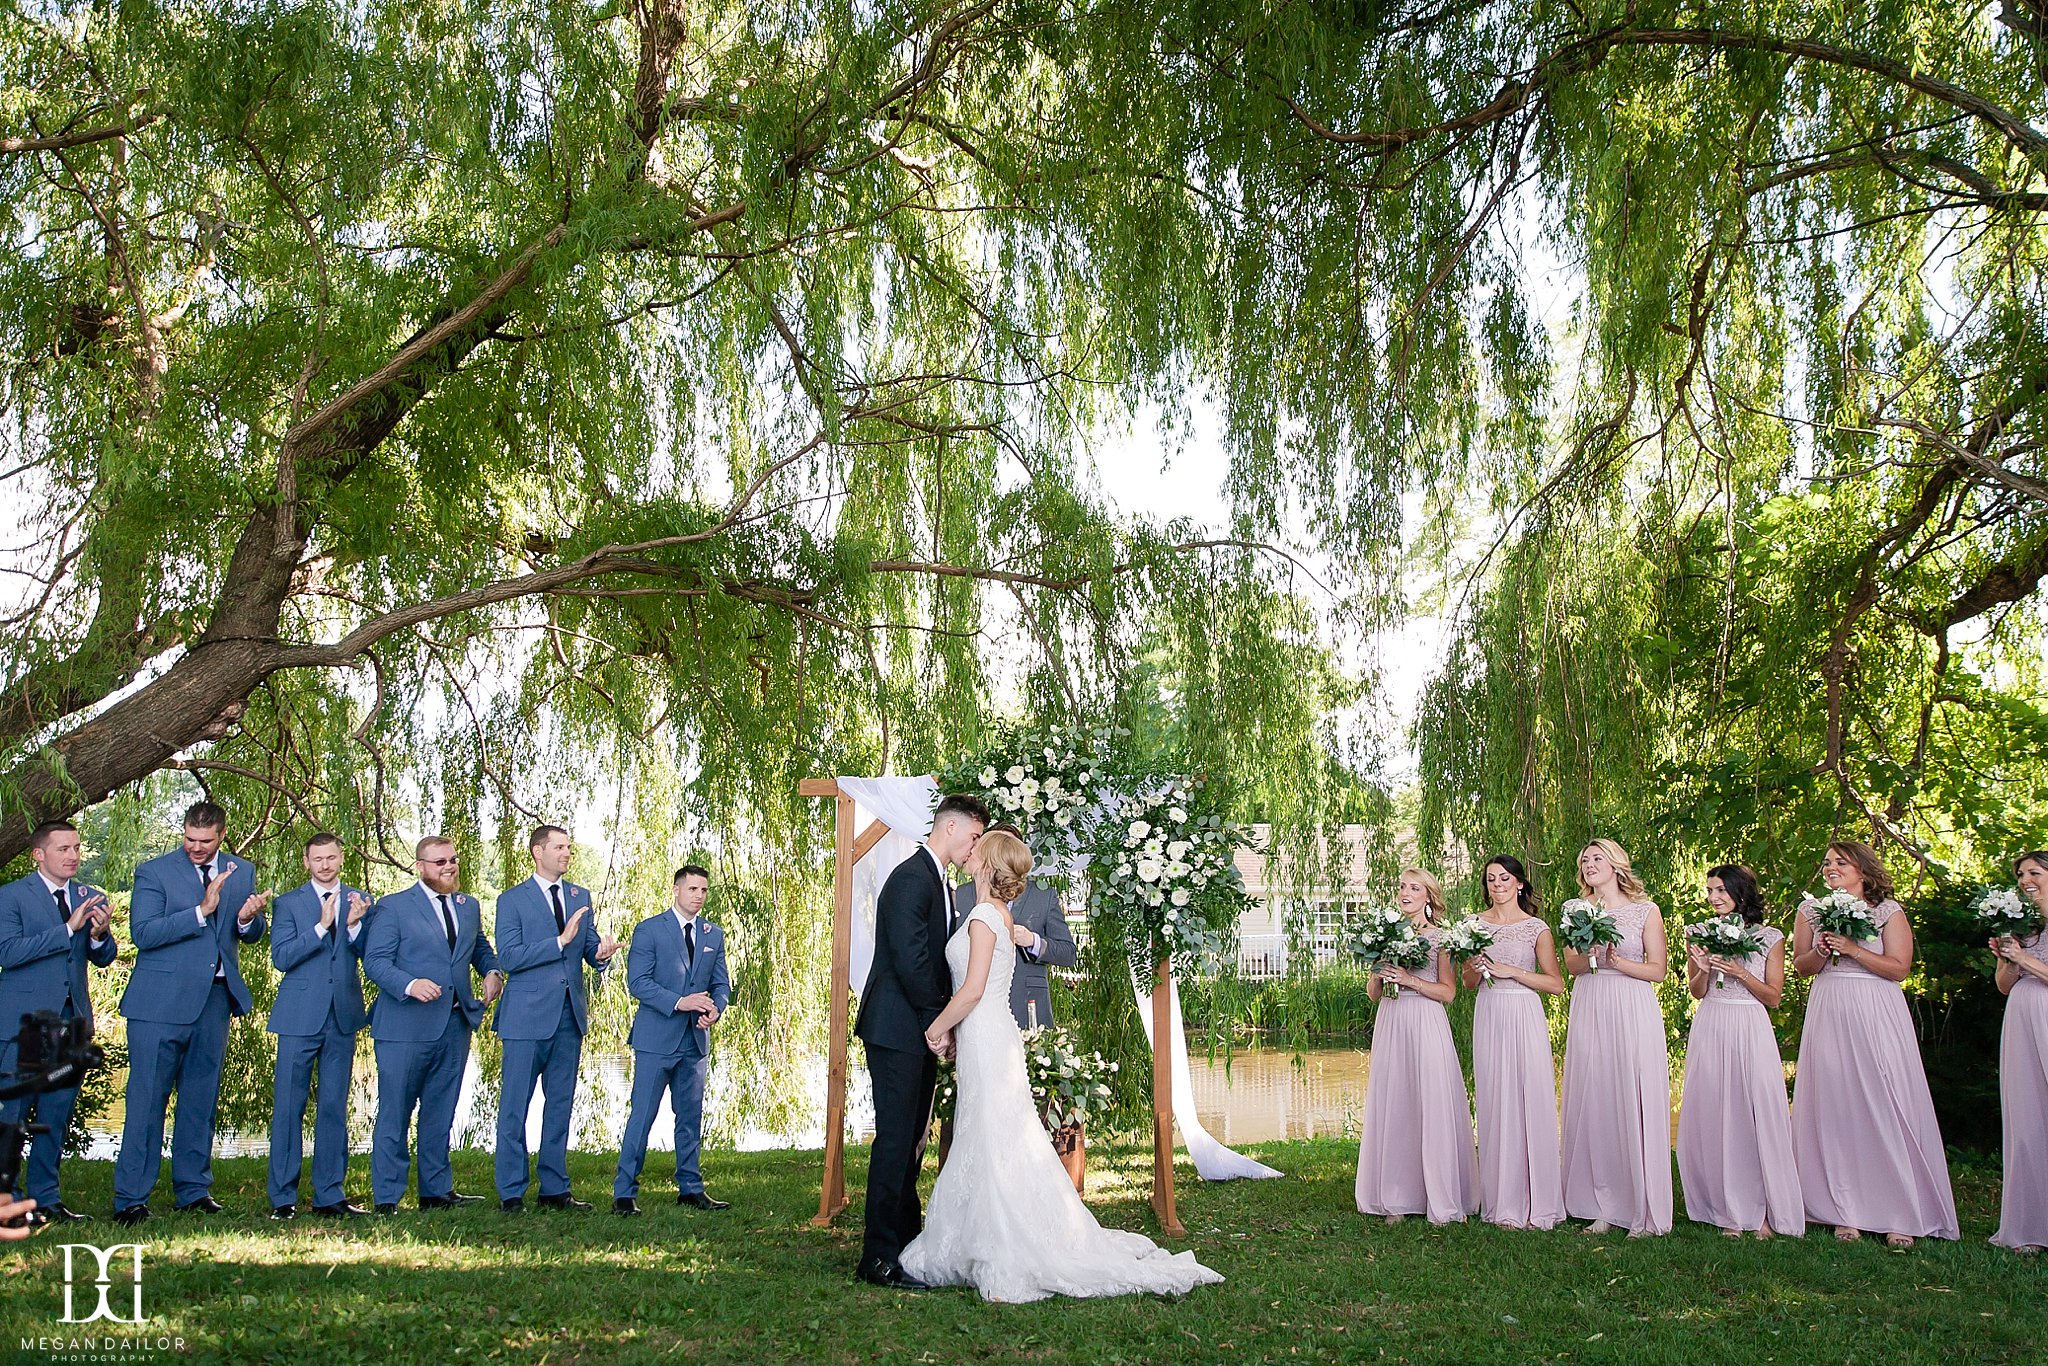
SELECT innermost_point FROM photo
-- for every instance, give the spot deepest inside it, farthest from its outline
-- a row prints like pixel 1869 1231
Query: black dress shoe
pixel 512 1206
pixel 132 1215
pixel 390 1208
pixel 284 1212
pixel 448 1201
pixel 890 1275
pixel 625 1206
pixel 56 1213
pixel 205 1204
pixel 700 1200
pixel 562 1201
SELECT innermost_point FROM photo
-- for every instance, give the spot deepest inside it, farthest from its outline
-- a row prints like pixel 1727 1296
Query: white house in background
pixel 1262 946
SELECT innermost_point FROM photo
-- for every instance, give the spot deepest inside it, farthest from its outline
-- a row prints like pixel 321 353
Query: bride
pixel 1004 1217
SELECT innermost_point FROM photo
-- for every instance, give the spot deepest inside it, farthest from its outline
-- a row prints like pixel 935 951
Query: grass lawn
pixel 1308 1280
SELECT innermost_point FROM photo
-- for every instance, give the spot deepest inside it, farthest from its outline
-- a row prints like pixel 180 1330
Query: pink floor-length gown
pixel 1863 1126
pixel 1617 1093
pixel 1514 1082
pixel 1735 1160
pixel 2023 1096
pixel 1415 1153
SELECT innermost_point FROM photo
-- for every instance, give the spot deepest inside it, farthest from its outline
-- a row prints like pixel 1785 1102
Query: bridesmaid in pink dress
pixel 1617 1071
pixel 1863 1126
pixel 1514 1077
pixel 1415 1145
pixel 1734 1129
pixel 2023 1071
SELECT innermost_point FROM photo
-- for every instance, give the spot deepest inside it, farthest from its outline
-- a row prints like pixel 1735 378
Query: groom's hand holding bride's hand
pixel 940 1043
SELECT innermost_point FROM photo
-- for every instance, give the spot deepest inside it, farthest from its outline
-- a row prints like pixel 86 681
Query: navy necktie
pixel 690 943
pixel 555 895
pixel 63 906
pixel 448 921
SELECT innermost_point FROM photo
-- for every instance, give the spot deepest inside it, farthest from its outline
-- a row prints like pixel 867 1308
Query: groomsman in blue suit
pixel 420 948
pixel 50 928
pixel 186 986
pixel 545 936
pixel 676 969
pixel 316 941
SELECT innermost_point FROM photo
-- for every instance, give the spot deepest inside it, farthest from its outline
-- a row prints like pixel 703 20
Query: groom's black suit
pixel 907 987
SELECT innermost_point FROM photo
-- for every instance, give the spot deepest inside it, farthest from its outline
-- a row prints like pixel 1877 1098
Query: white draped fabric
pixel 1213 1161
pixel 905 806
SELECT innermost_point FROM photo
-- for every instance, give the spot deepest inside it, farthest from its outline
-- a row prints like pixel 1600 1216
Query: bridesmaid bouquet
pixel 1584 927
pixel 1385 938
pixel 1845 915
pixel 2000 910
pixel 1728 936
pixel 1468 938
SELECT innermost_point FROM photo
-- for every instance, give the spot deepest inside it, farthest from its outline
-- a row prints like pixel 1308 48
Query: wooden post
pixel 832 1191
pixel 846 851
pixel 1162 1103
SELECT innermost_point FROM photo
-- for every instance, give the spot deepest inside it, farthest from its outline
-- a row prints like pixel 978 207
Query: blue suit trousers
pixel 163 1059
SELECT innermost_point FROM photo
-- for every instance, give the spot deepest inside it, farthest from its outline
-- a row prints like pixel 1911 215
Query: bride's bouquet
pixel 1066 1083
pixel 1840 913
pixel 1386 938
pixel 1468 938
pixel 1725 936
pixel 1584 926
pixel 2002 911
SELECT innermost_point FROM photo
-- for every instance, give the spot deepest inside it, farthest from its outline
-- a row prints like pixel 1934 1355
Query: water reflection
pixel 1259 1095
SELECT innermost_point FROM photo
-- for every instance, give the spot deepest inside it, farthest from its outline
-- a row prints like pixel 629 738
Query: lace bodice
pixel 1630 920
pixel 1752 963
pixel 1002 966
pixel 1881 914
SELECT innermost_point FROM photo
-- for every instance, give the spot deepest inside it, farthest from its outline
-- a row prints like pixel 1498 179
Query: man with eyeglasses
pixel 422 945
pixel 186 987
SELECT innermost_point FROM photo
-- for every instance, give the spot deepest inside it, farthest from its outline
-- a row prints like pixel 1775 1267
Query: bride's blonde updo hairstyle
pixel 1008 862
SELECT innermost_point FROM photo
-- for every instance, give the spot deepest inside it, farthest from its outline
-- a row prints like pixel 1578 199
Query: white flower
pixel 1063 818
pixel 1177 870
pixel 1015 775
pixel 1149 869
pixel 1177 815
pixel 1033 805
pixel 988 777
pixel 1029 787
pixel 1052 786
pixel 1178 849
pixel 1180 896
pixel 1139 829
pixel 1152 897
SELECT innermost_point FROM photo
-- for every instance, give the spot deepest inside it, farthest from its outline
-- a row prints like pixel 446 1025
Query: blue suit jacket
pixel 539 973
pixel 660 975
pixel 403 939
pixel 319 973
pixel 176 952
pixel 39 963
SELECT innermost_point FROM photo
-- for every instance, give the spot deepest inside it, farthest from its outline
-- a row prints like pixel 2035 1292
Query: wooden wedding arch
pixel 848 849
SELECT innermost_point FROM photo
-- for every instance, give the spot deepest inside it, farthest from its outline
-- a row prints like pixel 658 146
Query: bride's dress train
pixel 1004 1217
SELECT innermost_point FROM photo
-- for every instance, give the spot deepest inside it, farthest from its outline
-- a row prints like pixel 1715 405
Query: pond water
pixel 1258 1095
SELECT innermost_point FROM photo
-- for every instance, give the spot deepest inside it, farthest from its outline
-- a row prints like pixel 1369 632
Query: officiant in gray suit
pixel 1042 939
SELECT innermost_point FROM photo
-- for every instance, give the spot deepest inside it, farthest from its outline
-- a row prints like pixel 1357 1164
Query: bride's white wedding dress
pixel 1004 1217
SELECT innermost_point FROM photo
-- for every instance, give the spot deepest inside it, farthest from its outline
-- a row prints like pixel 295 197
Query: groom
pixel 906 989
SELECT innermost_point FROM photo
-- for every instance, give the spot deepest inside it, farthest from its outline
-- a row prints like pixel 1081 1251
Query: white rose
pixel 1180 896
pixel 1177 815
pixel 1015 775
pixel 1178 849
pixel 1139 829
pixel 1052 787
pixel 1033 805
pixel 1149 869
